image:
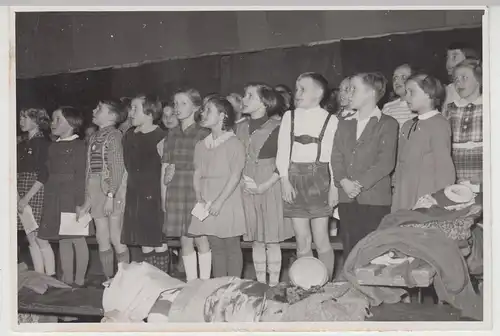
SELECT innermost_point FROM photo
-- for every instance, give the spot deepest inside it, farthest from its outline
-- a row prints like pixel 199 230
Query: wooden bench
pixel 290 244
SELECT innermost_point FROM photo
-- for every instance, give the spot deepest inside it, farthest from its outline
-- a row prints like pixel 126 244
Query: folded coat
pixel 452 282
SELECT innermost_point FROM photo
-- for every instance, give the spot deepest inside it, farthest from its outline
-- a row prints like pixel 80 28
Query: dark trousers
pixel 357 221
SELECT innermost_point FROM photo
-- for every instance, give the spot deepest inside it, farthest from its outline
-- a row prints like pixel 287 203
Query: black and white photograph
pixel 266 167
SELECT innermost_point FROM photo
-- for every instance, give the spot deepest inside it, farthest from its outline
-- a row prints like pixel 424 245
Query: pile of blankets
pixel 153 295
pixel 433 235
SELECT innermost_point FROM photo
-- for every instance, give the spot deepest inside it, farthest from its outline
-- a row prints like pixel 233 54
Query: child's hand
pixel 108 206
pixel 82 210
pixel 169 174
pixel 22 204
pixel 287 190
pixel 214 208
pixel 333 197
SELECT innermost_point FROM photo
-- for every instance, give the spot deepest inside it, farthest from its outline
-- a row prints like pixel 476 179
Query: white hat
pixel 459 193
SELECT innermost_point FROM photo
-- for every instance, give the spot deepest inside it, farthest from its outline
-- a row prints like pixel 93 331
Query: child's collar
pixel 70 138
pixel 464 102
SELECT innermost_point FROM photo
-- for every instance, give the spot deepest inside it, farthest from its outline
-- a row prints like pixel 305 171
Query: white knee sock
pixel 37 258
pixel 191 266
pixel 48 260
pixel 259 261
pixel 205 261
pixel 273 252
pixel 162 248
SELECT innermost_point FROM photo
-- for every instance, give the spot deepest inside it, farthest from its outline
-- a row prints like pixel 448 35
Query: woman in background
pixel 398 108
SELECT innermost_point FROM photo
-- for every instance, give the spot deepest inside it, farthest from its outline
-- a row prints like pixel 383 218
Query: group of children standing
pixel 267 176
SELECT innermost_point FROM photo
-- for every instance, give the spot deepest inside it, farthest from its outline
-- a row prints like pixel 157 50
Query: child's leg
pixel 219 260
pixel 189 258
pixel 67 257
pixel 234 256
pixel 322 240
pixel 273 252
pixel 36 254
pixel 303 237
pixel 48 256
pixel 204 256
pixel 82 260
pixel 115 233
pixel 105 249
pixel 259 260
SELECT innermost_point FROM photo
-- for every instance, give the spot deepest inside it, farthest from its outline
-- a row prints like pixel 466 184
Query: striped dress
pixel 467 131
pixel 399 110
pixel 181 198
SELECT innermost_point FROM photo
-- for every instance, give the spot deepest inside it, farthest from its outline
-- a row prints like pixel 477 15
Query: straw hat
pixel 307 272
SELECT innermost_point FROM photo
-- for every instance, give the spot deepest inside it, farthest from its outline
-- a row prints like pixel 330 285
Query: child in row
pixel 177 178
pixel 262 202
pixel 32 174
pixel 303 160
pixel 105 170
pixel 456 53
pixel 219 160
pixel 424 163
pixel 65 192
pixel 363 157
pixel 143 218
pixel 466 118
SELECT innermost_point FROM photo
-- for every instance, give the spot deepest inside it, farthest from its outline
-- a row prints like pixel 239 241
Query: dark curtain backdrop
pixel 231 72
pixel 280 66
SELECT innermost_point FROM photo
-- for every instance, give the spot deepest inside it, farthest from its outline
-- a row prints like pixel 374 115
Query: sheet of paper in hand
pixel 200 211
pixel 28 220
pixel 71 227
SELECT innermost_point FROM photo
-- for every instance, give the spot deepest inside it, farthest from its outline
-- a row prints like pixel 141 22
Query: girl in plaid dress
pixel 32 174
pixel 177 177
pixel 466 118
pixel 104 197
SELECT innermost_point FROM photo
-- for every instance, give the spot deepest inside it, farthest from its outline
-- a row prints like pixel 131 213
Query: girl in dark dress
pixel 32 174
pixel 65 192
pixel 143 218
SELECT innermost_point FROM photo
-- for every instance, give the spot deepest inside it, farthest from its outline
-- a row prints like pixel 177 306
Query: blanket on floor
pixel 452 282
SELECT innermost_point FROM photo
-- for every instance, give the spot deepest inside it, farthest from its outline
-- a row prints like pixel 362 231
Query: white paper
pixel 249 182
pixel 71 227
pixel 200 211
pixel 28 220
